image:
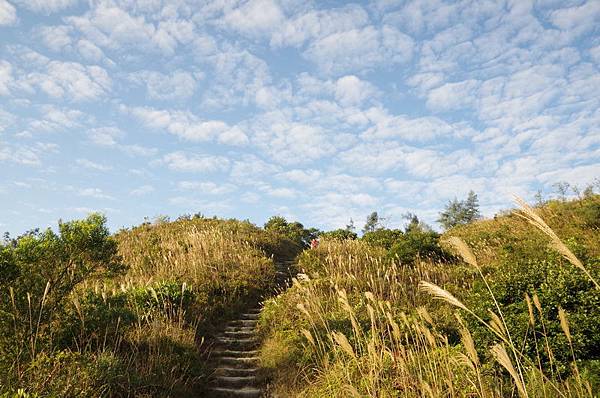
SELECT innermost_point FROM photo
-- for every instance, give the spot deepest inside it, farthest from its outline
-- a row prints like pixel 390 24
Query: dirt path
pixel 235 352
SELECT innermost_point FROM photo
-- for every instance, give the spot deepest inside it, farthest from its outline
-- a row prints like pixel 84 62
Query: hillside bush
pixel 339 234
pixel 75 321
pixel 360 326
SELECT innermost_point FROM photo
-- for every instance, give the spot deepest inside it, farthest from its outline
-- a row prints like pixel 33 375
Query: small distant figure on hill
pixel 314 243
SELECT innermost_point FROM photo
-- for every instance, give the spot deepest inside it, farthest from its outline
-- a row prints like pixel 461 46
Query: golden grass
pixel 370 333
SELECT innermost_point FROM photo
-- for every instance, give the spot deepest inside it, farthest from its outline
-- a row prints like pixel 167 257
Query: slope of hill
pixel 519 317
pixel 91 314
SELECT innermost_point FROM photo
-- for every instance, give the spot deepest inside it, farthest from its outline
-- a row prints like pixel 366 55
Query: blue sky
pixel 318 111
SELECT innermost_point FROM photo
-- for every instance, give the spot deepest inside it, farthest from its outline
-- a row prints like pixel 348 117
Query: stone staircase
pixel 235 351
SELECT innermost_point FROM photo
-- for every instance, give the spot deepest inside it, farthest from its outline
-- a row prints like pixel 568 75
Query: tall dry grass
pixel 141 333
pixel 367 326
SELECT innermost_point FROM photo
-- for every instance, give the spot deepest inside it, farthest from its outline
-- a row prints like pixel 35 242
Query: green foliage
pixel 43 269
pixel 417 244
pixel 385 238
pixel 372 223
pixel 517 261
pixel 339 234
pixel 73 323
pixel 460 212
pixel 417 241
pixel 557 285
pixel 294 231
pixel 93 316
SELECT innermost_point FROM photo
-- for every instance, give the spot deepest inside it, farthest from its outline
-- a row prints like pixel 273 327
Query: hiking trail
pixel 234 353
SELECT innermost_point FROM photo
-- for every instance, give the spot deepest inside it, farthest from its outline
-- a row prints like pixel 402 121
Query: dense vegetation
pixel 84 313
pixel 514 312
pixel 490 308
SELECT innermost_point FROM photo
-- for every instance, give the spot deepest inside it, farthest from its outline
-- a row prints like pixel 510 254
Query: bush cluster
pixel 86 313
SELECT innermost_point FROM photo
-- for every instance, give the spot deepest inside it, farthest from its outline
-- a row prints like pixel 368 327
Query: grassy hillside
pixel 84 313
pixel 516 318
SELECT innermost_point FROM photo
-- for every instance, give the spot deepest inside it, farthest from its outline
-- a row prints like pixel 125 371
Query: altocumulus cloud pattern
pixel 247 109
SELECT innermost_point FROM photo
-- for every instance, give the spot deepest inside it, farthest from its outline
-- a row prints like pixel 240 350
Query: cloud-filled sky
pixel 318 111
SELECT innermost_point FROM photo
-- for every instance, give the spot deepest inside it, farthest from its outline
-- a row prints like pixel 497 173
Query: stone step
pixel 239 328
pixel 236 342
pixel 235 353
pixel 246 392
pixel 243 322
pixel 229 371
pixel 249 316
pixel 239 362
pixel 238 333
pixel 235 381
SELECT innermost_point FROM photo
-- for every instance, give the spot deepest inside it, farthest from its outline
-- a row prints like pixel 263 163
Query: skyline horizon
pixel 318 112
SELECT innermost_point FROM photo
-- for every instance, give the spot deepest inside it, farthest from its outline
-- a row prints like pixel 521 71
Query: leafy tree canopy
pixel 460 212
pixel 372 223
pixel 294 231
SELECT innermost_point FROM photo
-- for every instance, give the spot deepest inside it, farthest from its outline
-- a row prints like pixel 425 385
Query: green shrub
pixel 95 321
pixel 293 231
pixel 385 238
pixel 557 284
pixel 339 234
pixel 417 244
pixel 43 269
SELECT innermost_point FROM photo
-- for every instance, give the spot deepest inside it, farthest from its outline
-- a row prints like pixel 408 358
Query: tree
pixel 372 223
pixel 460 212
pixel 382 237
pixel 339 234
pixel 414 224
pixel 350 227
pixel 294 231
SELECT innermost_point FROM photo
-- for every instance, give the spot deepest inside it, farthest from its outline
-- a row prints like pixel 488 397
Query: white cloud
pixel 105 136
pixel 28 155
pixel 254 17
pixel 350 90
pixel 282 192
pixel 178 85
pixel 202 206
pixel 8 14
pixel 238 76
pixel 21 155
pixel 90 51
pixel 190 162
pixel 419 16
pixel 423 129
pixel 137 150
pixel 111 137
pixel 298 176
pixel 290 142
pixel 142 190
pixel 578 175
pixel 6 120
pixel 56 119
pixel 360 49
pixel 6 77
pixel 251 168
pixel 188 126
pixel 71 80
pixel 57 38
pixel 47 6
pixel 374 157
pixel 206 187
pixel 579 19
pixel 453 95
pixel 95 193
pixel 314 24
pixel 88 164
pixel 112 27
